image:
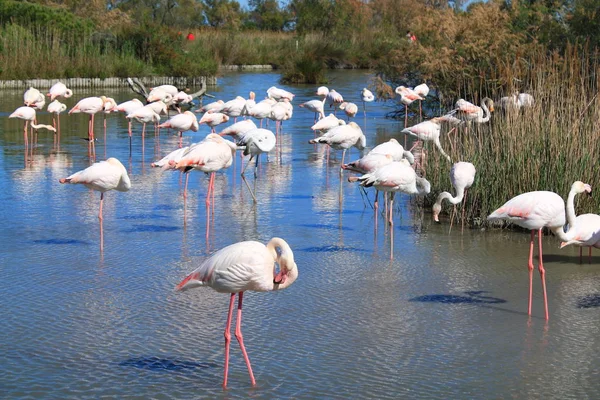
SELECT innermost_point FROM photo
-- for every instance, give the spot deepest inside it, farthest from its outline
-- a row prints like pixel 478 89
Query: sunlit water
pixel 445 319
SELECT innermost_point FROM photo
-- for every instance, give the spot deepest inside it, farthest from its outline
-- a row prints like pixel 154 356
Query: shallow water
pixel 446 318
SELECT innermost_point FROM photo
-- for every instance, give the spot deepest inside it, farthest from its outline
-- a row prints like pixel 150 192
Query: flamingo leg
pixel 580 255
pixel 542 274
pixel 101 201
pixel 392 209
pixel 530 267
pixel 240 338
pixel 227 335
pixel 246 166
pixel 464 204
pixel 187 176
pixel 343 155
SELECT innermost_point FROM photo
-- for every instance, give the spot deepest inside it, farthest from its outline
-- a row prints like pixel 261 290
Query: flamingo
pixel 214 106
pixel 407 96
pixel 59 89
pixel 90 106
pixel 422 90
pixel 584 231
pixel 240 267
pixel 343 137
pixel 260 110
pixel 28 115
pixel 255 142
pixel 427 131
pixel 327 123
pixel 181 123
pixel 56 107
pixel 333 98
pixel 316 106
pixel 367 96
pixel 34 98
pixel 462 176
pixel 281 111
pixel 145 115
pixel 397 176
pixel 233 108
pixel 516 101
pixel 534 211
pixel 210 155
pixel 102 177
pixel 182 98
pixel 279 94
pixel 471 112
pixel 238 129
pixel 395 149
pixel 175 156
pixel 349 108
pixel 213 119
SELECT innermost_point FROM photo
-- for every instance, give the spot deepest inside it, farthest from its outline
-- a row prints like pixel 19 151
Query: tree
pixel 268 15
pixel 223 13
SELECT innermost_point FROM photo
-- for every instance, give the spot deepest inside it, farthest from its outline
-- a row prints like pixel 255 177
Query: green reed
pixel 546 147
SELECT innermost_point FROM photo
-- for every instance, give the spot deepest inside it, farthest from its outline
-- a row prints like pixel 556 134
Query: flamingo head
pixel 436 212
pixel 190 282
pixel 580 187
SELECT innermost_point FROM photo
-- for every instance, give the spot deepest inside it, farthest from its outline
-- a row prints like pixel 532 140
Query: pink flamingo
pixel 90 106
pixel 584 232
pixel 56 107
pixel 462 176
pixel 59 89
pixel 343 137
pixel 407 96
pixel 427 131
pixel 350 109
pixel 215 106
pixel 34 98
pixel 240 267
pixel 102 177
pixel 534 211
pixel 422 90
pixel 367 96
pixel 28 115
pixel 182 122
pixel 213 119
pixel 279 94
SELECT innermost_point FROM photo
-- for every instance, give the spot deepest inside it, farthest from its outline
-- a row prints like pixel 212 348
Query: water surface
pixel 446 318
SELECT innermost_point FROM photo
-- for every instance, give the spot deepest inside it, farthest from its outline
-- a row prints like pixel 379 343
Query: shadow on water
pixel 331 249
pixel 472 297
pixel 163 364
pixel 589 301
pixel 323 226
pixel 152 228
pixel 144 216
pixel 61 241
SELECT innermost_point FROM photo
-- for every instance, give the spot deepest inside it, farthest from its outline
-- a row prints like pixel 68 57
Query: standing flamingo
pixel 534 211
pixel 34 98
pixel 213 119
pixel 327 123
pixel 334 99
pixel 462 176
pixel 427 131
pixel 397 176
pixel 102 176
pixel 395 149
pixel 279 94
pixel 215 106
pixel 407 96
pixel 342 138
pixel 28 115
pixel 240 267
pixel 181 123
pixel 470 112
pixel 260 110
pixel 584 232
pixel 90 106
pixel 56 107
pixel 367 96
pixel 255 142
pixel 422 90
pixel 350 109
pixel 59 89
pixel 210 155
pixel 145 115
pixel 316 106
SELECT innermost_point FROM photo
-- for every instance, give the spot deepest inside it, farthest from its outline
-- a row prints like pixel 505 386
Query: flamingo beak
pixel 588 189
pixel 436 218
pixel 563 244
pixel 280 278
pixel 190 282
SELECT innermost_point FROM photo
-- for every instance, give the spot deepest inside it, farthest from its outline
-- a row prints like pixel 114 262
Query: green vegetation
pixel 546 147
pixel 548 48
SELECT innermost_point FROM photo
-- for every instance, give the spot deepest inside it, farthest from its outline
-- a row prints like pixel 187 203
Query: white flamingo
pixel 240 267
pixel 462 176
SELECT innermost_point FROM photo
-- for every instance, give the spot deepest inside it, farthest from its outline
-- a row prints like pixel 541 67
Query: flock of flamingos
pixel 388 167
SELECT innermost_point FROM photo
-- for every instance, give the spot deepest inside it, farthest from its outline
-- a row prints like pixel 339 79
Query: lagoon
pixel 445 318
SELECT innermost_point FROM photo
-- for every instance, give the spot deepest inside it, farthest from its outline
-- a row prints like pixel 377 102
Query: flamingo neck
pixel 571 209
pixel 486 112
pixel 439 146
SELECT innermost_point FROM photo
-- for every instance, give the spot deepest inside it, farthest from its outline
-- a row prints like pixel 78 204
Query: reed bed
pixel 546 147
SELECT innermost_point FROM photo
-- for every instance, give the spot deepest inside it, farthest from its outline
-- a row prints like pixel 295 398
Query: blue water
pixel 445 318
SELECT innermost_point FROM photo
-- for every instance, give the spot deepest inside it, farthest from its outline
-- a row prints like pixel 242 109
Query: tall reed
pixel 546 147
